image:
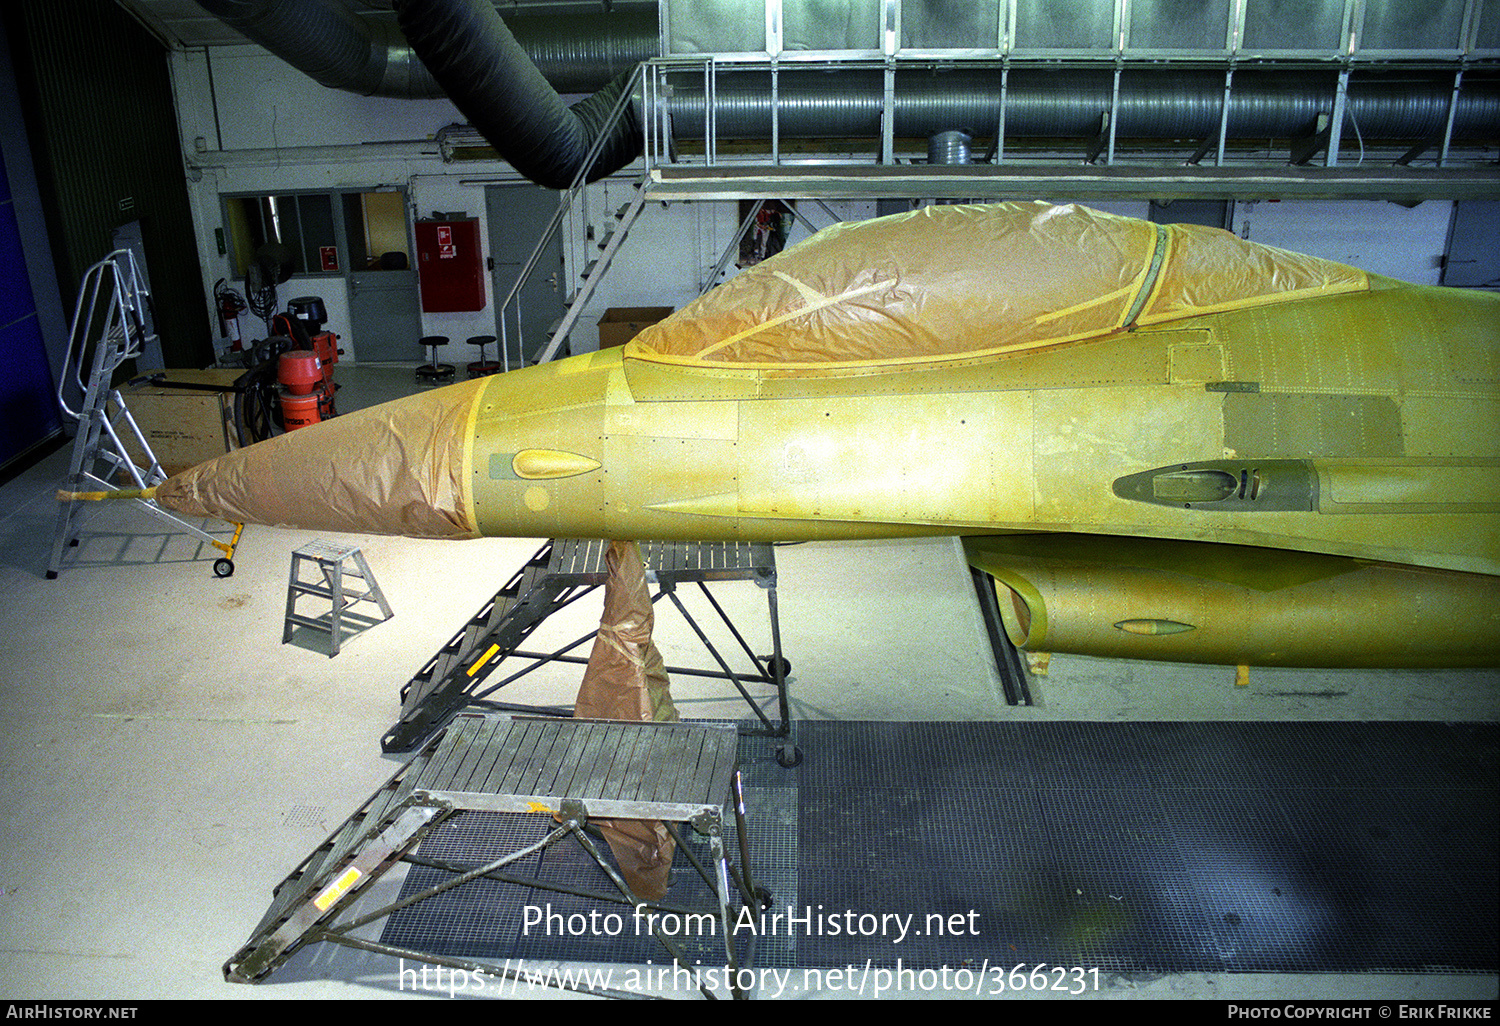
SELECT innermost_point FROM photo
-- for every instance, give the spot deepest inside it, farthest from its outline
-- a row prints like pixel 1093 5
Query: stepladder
pixel 334 566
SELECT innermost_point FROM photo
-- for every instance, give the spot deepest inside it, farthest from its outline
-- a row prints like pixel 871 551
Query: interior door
pixel 385 318
pixel 518 214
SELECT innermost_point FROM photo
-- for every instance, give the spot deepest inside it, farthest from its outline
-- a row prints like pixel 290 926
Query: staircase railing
pixel 509 318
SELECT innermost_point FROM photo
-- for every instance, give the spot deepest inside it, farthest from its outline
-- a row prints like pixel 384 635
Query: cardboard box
pixel 184 427
pixel 620 324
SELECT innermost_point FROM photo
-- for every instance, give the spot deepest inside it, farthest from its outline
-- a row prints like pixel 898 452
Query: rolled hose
pixel 493 82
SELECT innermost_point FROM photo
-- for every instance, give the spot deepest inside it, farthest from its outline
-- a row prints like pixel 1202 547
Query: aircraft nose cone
pixel 398 468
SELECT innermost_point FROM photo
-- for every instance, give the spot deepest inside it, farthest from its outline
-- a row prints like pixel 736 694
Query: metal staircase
pixel 592 267
pixel 442 686
pixel 561 572
pixel 595 268
pixel 111 316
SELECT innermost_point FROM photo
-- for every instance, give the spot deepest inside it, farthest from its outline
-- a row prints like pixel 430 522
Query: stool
pixel 334 563
pixel 483 367
pixel 432 370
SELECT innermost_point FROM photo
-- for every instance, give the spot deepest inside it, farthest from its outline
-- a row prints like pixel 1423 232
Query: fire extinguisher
pixel 230 304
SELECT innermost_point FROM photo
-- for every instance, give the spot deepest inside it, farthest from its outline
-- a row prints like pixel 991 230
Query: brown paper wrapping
pixel 627 680
pixel 955 281
pixel 398 468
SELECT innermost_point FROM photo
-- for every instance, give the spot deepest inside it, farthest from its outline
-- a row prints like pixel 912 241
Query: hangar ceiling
pixel 1362 28
pixel 1248 98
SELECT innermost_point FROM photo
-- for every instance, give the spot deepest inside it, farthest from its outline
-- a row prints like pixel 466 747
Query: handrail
pixel 124 325
pixel 1225 92
pixel 565 203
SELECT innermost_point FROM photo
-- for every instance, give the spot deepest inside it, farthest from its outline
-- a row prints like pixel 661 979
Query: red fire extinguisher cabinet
pixel 450 266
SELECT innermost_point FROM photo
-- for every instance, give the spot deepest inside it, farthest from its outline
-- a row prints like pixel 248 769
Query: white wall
pixel 1375 236
pixel 252 124
pixel 264 103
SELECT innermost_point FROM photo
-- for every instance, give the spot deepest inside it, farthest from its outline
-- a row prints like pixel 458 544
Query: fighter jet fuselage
pixel 1313 480
pixel 1344 425
pixel 1331 468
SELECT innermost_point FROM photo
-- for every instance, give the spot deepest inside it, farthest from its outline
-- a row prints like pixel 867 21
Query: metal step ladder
pixel 560 573
pixel 333 563
pixel 565 770
pixel 111 316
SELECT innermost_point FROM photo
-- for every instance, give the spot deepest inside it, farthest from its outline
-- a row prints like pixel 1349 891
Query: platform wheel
pixel 770 662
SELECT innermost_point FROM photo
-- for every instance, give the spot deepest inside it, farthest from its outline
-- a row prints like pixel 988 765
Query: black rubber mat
pixel 1150 847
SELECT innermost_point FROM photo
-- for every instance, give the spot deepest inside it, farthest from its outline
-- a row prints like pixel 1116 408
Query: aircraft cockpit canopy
pixel 952 282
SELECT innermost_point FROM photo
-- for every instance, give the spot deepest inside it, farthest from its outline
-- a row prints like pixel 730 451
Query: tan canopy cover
pixel 951 281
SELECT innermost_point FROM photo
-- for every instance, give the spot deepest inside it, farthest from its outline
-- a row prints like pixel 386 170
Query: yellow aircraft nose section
pixel 565 450
pixel 535 453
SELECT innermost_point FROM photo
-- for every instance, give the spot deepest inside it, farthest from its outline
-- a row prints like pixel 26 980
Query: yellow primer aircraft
pixel 1162 442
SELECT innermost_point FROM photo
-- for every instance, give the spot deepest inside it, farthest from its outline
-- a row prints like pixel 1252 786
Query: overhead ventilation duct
pixel 505 76
pixel 494 83
pixel 585 51
pixel 950 147
pixel 329 44
pixel 326 41
pixel 479 64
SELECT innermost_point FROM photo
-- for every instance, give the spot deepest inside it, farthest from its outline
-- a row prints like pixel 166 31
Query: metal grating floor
pixel 1140 847
pixel 582 561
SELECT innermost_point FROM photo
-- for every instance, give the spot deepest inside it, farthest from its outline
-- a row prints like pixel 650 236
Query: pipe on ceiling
pixel 328 42
pixel 1067 103
pixel 462 49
